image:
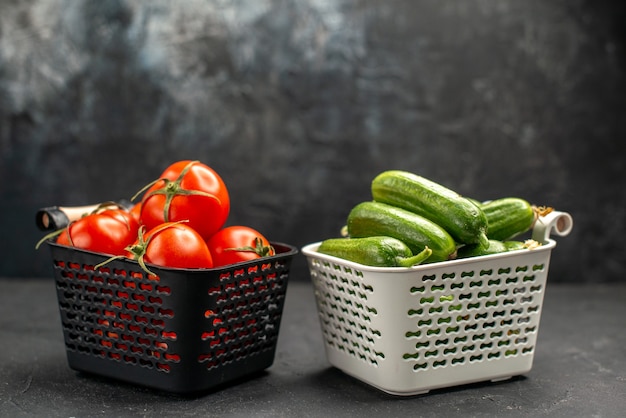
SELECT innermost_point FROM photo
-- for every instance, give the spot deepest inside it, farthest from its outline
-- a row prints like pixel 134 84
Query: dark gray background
pixel 299 103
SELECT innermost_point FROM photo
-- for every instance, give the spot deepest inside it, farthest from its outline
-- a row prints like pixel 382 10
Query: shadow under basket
pixel 406 331
pixel 180 330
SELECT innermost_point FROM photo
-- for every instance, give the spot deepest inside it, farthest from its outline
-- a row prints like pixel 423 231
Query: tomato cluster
pixel 179 222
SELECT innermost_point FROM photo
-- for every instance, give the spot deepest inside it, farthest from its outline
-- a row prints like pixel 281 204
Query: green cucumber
pixel 513 245
pixel 508 217
pixel 529 244
pixel 374 251
pixel 475 201
pixel 370 219
pixel 461 218
pixel 475 250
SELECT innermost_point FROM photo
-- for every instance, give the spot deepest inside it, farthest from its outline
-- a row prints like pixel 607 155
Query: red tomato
pixel 108 232
pixel 238 243
pixel 187 191
pixel 136 212
pixel 172 244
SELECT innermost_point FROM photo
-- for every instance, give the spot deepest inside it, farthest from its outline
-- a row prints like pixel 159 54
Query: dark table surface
pixel 579 368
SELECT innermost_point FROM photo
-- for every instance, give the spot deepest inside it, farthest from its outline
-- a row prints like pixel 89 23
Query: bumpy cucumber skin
pixel 461 218
pixel 508 217
pixel 369 251
pixel 475 250
pixel 369 219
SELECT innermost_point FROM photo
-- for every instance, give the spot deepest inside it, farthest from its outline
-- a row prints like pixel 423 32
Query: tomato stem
pixel 139 249
pixel 46 237
pixel 260 249
pixel 172 189
pixel 107 261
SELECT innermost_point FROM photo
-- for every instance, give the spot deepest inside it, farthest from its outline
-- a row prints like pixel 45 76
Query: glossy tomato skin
pixel 175 245
pixel 237 237
pixel 107 232
pixel 206 214
pixel 135 211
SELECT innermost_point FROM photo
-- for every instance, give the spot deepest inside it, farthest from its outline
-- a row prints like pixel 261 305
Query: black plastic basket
pixel 179 331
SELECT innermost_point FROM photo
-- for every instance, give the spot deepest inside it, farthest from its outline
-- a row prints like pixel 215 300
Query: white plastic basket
pixel 407 331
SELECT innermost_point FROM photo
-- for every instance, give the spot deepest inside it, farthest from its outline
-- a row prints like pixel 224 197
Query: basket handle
pixel 56 217
pixel 559 222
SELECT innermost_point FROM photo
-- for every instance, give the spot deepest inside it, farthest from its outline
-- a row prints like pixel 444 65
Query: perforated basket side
pixel 407 331
pixel 181 331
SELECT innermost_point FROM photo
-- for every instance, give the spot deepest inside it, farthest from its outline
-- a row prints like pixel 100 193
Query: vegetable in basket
pixel 529 244
pixel 508 217
pixel 183 212
pixel 369 219
pixel 108 229
pixel 475 250
pixel 190 191
pixel 171 244
pixel 238 243
pixel 459 216
pixel 379 251
pixel 495 247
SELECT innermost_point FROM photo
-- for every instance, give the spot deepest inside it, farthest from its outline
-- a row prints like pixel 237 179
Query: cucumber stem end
pixel 416 259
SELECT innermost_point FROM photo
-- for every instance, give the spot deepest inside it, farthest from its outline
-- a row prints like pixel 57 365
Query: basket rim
pixel 283 251
pixel 310 250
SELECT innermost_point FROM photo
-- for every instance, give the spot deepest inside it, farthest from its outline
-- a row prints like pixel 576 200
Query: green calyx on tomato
pixel 238 243
pixel 171 244
pixel 259 248
pixel 186 190
pixel 139 248
pixel 173 188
